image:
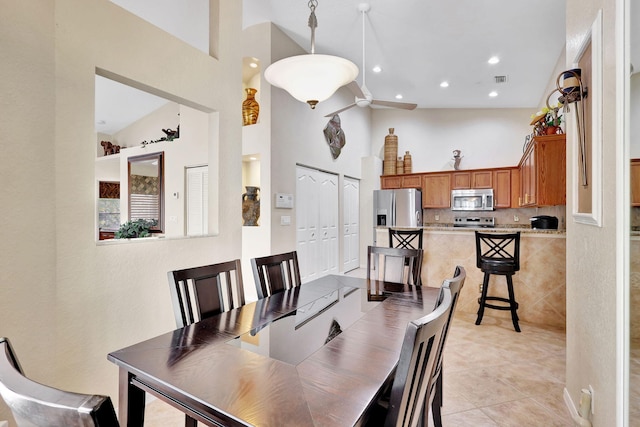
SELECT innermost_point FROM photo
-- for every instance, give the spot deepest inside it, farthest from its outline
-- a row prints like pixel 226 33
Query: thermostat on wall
pixel 284 201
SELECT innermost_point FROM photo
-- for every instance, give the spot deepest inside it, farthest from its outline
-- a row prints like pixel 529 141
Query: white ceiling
pixel 418 44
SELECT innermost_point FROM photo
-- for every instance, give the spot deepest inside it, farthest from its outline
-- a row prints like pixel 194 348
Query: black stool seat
pixel 498 254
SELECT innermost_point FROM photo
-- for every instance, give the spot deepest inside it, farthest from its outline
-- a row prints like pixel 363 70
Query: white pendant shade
pixel 311 78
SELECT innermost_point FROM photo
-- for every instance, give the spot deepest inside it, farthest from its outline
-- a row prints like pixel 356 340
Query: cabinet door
pixel 436 190
pixel 460 180
pixel 635 182
pixel 482 179
pixel 412 181
pixel 502 188
pixel 390 182
pixel 528 179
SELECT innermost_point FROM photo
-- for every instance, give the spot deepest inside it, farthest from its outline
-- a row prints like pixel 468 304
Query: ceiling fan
pixel 363 95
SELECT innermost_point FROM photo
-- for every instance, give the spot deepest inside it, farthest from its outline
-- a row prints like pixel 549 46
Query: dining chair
pixel 406 238
pixel 201 292
pixel 275 273
pixel 35 404
pixel 399 265
pixel 454 285
pixel 411 387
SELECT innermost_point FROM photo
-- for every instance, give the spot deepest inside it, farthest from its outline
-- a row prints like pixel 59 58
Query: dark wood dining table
pixel 316 355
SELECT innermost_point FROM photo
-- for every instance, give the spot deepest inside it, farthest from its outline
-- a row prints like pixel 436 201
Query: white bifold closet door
pixel 317 223
pixel 351 221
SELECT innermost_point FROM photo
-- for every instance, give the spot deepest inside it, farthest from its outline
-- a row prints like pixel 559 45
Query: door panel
pixel 351 219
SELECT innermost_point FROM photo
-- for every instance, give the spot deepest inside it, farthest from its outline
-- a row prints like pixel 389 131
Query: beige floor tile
pixel 475 418
pixel 523 412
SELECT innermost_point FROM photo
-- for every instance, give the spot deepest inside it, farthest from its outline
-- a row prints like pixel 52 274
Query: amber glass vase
pixel 250 108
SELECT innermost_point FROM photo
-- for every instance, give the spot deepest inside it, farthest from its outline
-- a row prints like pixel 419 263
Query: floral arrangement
pixel 547 121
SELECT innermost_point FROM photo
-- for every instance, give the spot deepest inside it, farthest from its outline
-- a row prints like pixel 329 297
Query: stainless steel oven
pixel 472 200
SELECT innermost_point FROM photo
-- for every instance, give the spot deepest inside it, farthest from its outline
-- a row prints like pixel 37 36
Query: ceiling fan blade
pixel 341 110
pixel 355 88
pixel 394 104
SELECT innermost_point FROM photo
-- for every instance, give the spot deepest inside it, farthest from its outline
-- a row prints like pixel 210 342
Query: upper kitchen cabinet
pixel 436 190
pixel 543 172
pixel 471 179
pixel 502 188
pixel 392 182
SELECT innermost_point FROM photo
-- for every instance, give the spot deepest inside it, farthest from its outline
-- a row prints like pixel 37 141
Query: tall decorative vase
pixel 390 153
pixel 250 108
pixel 408 162
pixel 251 206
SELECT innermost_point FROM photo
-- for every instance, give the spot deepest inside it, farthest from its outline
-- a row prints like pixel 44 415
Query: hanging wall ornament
pixel 334 136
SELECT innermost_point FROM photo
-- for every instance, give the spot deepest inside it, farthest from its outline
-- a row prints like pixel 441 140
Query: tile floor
pixel 493 376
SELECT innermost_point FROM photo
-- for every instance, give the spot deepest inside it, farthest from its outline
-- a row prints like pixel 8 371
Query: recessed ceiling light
pixel 493 60
pixel 376 69
pixel 493 94
pixel 444 84
pixel 399 96
pixel 253 65
pixel 252 158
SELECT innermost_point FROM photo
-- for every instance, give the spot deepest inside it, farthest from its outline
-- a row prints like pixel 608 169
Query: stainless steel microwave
pixel 472 200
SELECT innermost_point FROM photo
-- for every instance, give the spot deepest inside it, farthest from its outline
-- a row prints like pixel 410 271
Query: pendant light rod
pixel 313 24
pixel 364 8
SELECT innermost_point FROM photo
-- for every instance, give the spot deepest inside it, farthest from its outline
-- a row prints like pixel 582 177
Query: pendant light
pixel 311 78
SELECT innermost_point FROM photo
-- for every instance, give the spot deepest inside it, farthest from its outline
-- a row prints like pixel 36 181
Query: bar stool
pixel 498 254
pixel 407 239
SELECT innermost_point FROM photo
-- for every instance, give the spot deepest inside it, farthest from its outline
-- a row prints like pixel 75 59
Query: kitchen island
pixel 539 285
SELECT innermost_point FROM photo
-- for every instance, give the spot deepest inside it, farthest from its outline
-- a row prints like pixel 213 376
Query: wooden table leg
pixel 131 401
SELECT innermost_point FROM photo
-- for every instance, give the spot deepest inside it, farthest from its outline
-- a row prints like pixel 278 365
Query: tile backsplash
pixel 502 216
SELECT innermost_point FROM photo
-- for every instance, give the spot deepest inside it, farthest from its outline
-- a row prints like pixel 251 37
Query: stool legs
pixel 513 305
pixel 483 298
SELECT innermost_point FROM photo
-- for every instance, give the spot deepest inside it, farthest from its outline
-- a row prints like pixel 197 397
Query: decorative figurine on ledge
pixel 456 159
pixel 109 148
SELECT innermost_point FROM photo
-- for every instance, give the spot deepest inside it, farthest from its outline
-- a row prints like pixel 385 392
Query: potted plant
pixel 547 121
pixel 136 228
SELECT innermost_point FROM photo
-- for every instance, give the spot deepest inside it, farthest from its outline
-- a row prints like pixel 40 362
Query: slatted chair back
pixel 37 405
pixel 275 273
pixel 201 292
pixel 412 382
pixel 394 264
pixel 454 285
pixel 406 239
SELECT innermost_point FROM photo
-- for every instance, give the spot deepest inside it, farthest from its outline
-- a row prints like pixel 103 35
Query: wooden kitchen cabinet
pixel 436 190
pixel 400 181
pixel 543 172
pixel 471 179
pixel 390 182
pixel 635 182
pixel 502 188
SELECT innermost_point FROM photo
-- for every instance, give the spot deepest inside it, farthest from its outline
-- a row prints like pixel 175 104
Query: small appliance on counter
pixel 474 221
pixel 544 222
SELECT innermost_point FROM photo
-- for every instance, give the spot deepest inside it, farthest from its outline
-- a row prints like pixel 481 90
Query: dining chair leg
pixel 436 404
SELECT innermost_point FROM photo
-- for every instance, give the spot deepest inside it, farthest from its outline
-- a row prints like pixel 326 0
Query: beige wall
pixel 67 302
pixel 592 251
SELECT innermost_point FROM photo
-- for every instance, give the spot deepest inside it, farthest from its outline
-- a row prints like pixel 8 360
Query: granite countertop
pixel 508 228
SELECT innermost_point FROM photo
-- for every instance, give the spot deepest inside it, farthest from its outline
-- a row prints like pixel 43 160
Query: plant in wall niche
pixel 134 229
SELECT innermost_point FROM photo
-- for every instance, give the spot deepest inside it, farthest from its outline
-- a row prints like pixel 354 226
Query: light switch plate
pixel 285 220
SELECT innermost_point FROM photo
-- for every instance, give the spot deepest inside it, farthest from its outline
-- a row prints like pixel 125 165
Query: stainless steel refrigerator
pixel 397 208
